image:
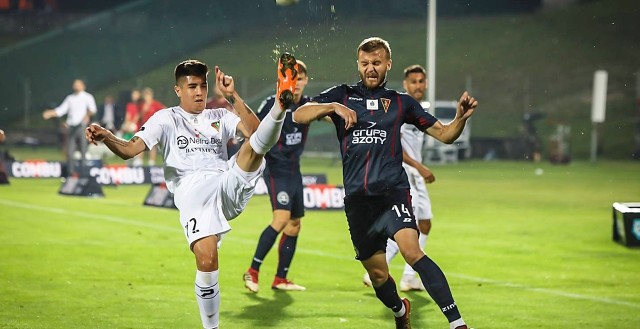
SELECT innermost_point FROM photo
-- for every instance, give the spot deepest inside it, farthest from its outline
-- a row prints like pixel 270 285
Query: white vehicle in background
pixel 437 152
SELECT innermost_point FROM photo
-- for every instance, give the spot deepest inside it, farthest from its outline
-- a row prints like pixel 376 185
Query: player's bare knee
pixel 293 227
pixel 378 276
pixel 411 255
pixel 207 263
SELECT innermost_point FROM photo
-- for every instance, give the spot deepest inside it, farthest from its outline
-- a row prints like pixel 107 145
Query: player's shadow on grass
pixel 419 301
pixel 267 313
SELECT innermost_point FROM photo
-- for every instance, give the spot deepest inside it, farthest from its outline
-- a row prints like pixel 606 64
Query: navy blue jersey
pixel 284 157
pixel 371 150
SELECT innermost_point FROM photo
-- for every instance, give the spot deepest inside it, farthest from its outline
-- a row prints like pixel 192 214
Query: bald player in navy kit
pixel 368 118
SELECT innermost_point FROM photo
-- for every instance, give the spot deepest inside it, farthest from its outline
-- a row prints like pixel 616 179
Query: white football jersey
pixel 190 142
pixel 412 139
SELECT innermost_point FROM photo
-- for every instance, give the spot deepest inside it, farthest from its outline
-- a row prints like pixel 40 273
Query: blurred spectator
pixel 132 116
pixel 5 5
pixel 107 114
pixel 149 107
pixel 2 136
pixel 217 100
pixel 25 5
pixel 78 107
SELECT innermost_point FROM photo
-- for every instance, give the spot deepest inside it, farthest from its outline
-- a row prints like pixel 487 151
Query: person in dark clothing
pixel 368 117
pixel 284 184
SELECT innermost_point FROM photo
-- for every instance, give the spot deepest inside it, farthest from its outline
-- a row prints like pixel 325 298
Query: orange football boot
pixel 287 79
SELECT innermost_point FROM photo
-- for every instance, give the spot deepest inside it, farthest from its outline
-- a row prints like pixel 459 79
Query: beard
pixel 418 94
pixel 380 78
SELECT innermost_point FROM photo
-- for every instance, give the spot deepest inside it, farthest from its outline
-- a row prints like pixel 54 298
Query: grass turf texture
pixel 518 249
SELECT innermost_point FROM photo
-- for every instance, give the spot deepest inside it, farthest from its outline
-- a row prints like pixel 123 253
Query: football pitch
pixel 519 249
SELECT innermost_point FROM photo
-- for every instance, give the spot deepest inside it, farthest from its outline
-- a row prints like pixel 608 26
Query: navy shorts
pixel 285 192
pixel 373 219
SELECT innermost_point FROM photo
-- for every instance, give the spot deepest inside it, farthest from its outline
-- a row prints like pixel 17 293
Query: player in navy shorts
pixel 368 117
pixel 284 183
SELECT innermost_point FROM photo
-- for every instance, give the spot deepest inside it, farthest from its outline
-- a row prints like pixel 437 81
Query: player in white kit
pixel 415 84
pixel 209 189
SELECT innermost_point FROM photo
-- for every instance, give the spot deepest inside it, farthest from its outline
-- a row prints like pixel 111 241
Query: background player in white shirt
pixel 208 190
pixel 415 84
pixel 78 107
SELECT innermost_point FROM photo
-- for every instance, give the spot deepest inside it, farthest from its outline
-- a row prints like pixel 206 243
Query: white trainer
pixel 366 280
pixel 411 284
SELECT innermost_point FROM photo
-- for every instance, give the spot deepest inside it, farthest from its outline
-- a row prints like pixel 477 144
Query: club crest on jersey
pixel 385 104
pixel 216 125
pixel 372 104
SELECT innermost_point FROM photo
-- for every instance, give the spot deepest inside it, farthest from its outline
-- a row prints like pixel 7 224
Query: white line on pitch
pixel 121 220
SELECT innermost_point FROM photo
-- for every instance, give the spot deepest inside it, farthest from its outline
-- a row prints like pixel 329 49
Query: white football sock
pixel 268 132
pixel 392 250
pixel 456 323
pixel 422 240
pixel 208 297
pixel 409 272
pixel 400 313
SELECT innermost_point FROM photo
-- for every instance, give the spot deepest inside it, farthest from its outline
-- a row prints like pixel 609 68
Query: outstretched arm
pixel 423 170
pixel 248 120
pixel 120 147
pixel 450 132
pixel 313 111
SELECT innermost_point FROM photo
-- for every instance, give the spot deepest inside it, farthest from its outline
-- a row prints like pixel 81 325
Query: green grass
pixel 519 250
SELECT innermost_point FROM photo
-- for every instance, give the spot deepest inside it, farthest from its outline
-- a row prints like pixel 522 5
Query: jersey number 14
pixel 402 209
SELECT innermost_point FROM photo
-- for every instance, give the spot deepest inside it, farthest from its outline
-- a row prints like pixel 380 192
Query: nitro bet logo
pixel 369 135
pixel 199 144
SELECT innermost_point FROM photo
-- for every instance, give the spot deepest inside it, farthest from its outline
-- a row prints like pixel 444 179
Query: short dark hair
pixel 414 69
pixel 372 44
pixel 191 67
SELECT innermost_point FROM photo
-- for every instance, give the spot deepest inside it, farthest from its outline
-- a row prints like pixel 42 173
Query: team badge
pixel 216 125
pixel 283 198
pixel 372 104
pixel 385 104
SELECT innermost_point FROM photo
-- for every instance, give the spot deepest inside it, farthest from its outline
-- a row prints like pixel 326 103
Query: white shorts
pixel 419 195
pixel 208 200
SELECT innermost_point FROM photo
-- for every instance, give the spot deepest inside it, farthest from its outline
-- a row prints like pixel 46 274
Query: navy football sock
pixel 436 284
pixel 388 295
pixel 286 251
pixel 266 241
